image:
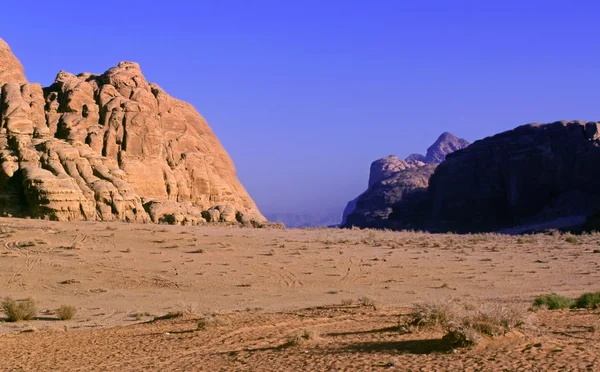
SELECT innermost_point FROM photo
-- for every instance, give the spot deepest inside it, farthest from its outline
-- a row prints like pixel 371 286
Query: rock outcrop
pixel 111 147
pixel 446 144
pixel 392 180
pixel 374 206
pixel 10 67
pixel 529 175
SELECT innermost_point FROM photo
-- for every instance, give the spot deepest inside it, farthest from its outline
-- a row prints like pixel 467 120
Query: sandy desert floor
pixel 258 287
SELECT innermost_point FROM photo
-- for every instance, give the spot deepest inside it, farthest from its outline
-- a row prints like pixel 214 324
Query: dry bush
pixel 208 321
pixel 19 310
pixel 488 320
pixel 66 312
pixel 188 309
pixel 302 336
pixel 458 336
pixel 497 320
pixel 434 313
pixel 367 302
pixel 347 302
pixel 465 325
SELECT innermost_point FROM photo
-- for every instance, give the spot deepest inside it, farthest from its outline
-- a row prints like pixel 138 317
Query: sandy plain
pixel 259 287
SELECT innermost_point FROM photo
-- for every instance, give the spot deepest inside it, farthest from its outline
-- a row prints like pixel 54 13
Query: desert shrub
pixel 366 301
pixel 465 325
pixel 496 320
pixel 572 240
pixel 488 320
pixel 553 301
pixel 461 336
pixel 19 310
pixel 66 312
pixel 434 313
pixel 590 300
pixel 208 321
pixel 302 336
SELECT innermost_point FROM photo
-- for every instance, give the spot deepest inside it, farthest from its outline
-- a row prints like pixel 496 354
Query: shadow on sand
pixel 425 346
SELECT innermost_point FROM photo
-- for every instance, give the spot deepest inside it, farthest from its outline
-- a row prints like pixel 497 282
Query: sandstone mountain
pixel 111 147
pixel 446 144
pixel 529 175
pixel 392 179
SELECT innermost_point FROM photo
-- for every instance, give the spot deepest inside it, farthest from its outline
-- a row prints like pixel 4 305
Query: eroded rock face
pixel 392 180
pixel 10 67
pixel 386 167
pixel 110 147
pixel 531 174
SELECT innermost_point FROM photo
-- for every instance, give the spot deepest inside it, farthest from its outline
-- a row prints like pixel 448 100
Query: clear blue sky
pixel 305 94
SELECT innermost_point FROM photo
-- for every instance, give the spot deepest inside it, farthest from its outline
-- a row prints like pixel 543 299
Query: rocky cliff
pixel 529 175
pixel 391 180
pixel 111 147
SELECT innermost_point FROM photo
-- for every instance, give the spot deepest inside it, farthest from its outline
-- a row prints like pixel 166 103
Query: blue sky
pixel 304 95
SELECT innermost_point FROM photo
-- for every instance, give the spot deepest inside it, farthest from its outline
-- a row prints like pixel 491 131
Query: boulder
pixel 212 215
pixel 386 167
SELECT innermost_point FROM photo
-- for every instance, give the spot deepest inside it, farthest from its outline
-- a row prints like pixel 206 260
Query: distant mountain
pixel 291 219
pixel 446 144
pixel 391 178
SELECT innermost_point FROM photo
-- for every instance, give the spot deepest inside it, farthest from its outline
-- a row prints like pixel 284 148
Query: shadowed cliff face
pixel 534 176
pixel 529 175
pixel 392 179
pixel 111 147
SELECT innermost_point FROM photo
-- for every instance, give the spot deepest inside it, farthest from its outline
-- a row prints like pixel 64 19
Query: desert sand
pixel 253 289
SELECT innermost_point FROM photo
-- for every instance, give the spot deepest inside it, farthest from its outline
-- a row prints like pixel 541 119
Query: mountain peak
pixel 444 145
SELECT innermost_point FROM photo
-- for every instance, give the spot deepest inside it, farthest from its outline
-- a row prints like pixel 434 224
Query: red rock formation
pixel 111 147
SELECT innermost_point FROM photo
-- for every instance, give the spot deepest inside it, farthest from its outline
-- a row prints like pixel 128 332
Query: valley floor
pixel 259 287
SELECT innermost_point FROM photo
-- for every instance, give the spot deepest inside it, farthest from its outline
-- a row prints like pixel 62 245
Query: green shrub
pixel 572 240
pixel 19 310
pixel 590 300
pixel 553 301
